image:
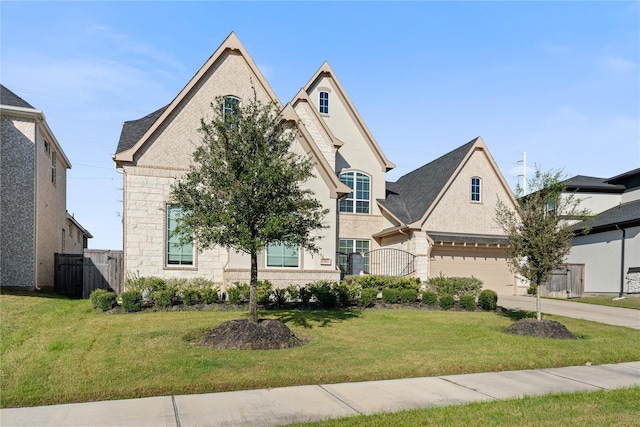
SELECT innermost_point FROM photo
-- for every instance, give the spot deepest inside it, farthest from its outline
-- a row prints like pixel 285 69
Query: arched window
pixel 476 189
pixel 357 201
pixel 230 105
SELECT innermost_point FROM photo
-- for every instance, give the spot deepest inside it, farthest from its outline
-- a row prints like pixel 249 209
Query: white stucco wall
pixel 600 253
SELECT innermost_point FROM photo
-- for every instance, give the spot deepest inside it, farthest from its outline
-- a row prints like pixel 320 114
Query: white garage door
pixel 488 265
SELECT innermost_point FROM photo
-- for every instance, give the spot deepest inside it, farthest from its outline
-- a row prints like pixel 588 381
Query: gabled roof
pixel 133 130
pixel 409 198
pixel 9 98
pixel 622 216
pixel 80 227
pixel 583 183
pixel 326 71
pixel 231 43
pixel 302 96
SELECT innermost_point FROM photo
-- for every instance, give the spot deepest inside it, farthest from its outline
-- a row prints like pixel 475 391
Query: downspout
pixel 35 210
pixel 624 236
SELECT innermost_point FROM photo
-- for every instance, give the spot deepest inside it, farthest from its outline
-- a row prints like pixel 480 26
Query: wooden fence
pixel 78 275
pixel 565 282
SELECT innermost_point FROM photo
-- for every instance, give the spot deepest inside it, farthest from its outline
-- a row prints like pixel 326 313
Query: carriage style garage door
pixel 487 264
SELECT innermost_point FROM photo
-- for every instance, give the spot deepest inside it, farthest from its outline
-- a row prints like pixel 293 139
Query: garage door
pixel 488 265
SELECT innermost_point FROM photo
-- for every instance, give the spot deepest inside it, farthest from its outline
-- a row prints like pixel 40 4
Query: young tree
pixel 541 228
pixel 243 190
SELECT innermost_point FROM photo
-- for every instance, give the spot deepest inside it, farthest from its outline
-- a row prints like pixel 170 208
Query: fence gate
pixel 565 282
pixel 68 275
pixel 77 275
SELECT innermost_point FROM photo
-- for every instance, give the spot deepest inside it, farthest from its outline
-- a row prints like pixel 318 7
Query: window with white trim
pixel 476 188
pixel 357 201
pixel 230 105
pixel 54 164
pixel 176 253
pixel 349 246
pixel 324 102
pixel 281 255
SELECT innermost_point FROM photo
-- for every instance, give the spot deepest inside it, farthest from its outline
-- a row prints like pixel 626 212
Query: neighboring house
pixel 34 223
pixel 610 251
pixel 442 214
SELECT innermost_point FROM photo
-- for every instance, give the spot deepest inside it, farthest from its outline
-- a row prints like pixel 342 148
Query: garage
pixel 469 259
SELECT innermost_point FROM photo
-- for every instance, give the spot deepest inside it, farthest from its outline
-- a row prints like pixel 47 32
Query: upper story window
pixel 280 255
pixel 324 102
pixel 230 105
pixel 176 253
pixel 476 189
pixel 46 146
pixel 358 200
pixel 54 161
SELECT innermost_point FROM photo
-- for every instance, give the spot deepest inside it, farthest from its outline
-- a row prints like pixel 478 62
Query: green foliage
pixel 488 300
pixel 446 301
pixel 238 293
pixel 325 294
pixel 408 296
pixel 102 299
pixel 391 296
pixel 131 300
pixel 532 289
pixel 293 293
pixel 305 293
pixel 404 283
pixel 372 282
pixel 280 296
pixel 155 284
pixel 265 289
pixel 210 294
pixel 368 297
pixel 468 302
pixel 135 282
pixel 164 297
pixel 429 298
pixel 454 285
pixel 191 296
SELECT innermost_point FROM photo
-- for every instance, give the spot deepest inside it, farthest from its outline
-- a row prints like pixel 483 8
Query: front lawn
pixel 628 302
pixel 56 350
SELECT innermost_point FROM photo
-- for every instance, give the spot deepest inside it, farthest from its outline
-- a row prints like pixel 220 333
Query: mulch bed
pixel 540 328
pixel 267 334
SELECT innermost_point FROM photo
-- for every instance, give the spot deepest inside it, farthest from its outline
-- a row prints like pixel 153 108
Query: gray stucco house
pixel 34 223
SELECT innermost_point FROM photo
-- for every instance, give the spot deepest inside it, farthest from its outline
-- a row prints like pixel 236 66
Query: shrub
pixel 454 285
pixel 155 284
pixel 131 300
pixel 264 289
pixel 102 299
pixel 305 293
pixel 238 293
pixel 345 293
pixel 280 296
pixel 488 300
pixel 446 301
pixel 293 292
pixel 429 298
pixel 468 302
pixel 190 296
pixel 135 282
pixel 404 283
pixel 164 298
pixel 532 289
pixel 209 295
pixel 324 293
pixel 368 297
pixel 391 296
pixel 408 296
pixel 373 282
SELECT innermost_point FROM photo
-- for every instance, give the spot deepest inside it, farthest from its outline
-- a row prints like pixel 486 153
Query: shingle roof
pixel 133 130
pixel 625 214
pixel 410 197
pixel 11 99
pixel 592 183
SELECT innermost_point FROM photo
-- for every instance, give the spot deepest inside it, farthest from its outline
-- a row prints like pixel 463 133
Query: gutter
pixel 624 236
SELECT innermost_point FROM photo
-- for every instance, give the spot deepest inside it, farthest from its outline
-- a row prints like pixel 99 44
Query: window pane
pixel 279 255
pixel 475 189
pixel 177 253
pixel 346 205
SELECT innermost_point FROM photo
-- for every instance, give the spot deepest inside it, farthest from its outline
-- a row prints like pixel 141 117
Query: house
pixel 34 222
pixel 610 251
pixel 366 213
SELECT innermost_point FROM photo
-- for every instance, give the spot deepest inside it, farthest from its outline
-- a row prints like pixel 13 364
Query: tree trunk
pixel 253 289
pixel 538 310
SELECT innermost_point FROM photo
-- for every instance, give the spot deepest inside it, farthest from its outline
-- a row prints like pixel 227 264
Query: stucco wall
pixel 17 203
pixel 455 212
pixel 600 253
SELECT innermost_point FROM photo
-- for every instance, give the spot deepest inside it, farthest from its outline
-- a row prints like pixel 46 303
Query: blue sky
pixel 559 80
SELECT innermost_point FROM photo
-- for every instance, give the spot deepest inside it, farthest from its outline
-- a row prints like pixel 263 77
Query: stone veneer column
pixel 421 248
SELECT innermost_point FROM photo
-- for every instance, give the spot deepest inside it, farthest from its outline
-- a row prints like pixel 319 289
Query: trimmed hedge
pixel 131 300
pixel 102 299
pixel 446 301
pixel 408 296
pixel 429 298
pixel 488 300
pixel 454 285
pixel 468 302
pixel 391 296
pixel 368 297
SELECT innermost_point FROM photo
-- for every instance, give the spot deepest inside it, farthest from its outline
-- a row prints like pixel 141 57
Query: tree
pixel 243 190
pixel 541 228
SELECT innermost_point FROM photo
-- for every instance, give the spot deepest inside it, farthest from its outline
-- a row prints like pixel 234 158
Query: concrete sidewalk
pixel 596 313
pixel 270 407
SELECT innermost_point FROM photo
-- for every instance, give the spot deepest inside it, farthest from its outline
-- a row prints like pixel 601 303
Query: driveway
pixel 596 313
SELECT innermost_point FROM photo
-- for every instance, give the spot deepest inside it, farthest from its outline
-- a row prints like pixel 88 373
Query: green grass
pixel 629 302
pixel 601 408
pixel 57 350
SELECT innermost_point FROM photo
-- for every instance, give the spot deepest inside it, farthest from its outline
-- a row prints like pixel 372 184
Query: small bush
pixel 446 301
pixel 191 296
pixel 209 295
pixel 391 296
pixel 324 293
pixel 532 289
pixel 372 282
pixel 468 302
pixel 404 283
pixel 280 296
pixel 305 294
pixel 165 297
pixel 131 300
pixel 346 293
pixel 293 293
pixel 102 299
pixel 488 300
pixel 429 298
pixel 368 297
pixel 408 296
pixel 264 289
pixel 454 285
pixel 155 284
pixel 238 293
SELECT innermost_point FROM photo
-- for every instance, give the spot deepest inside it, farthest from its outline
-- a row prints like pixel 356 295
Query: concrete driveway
pixel 596 313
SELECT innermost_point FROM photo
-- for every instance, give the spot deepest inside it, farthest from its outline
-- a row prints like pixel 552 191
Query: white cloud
pixel 619 65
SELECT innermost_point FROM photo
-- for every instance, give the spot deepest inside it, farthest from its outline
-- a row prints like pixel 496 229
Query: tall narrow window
pixel 475 189
pixel 176 252
pixel 54 162
pixel 230 105
pixel 358 200
pixel 280 255
pixel 324 102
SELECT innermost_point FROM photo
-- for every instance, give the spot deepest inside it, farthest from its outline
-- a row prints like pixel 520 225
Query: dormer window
pixel 324 102
pixel 476 189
